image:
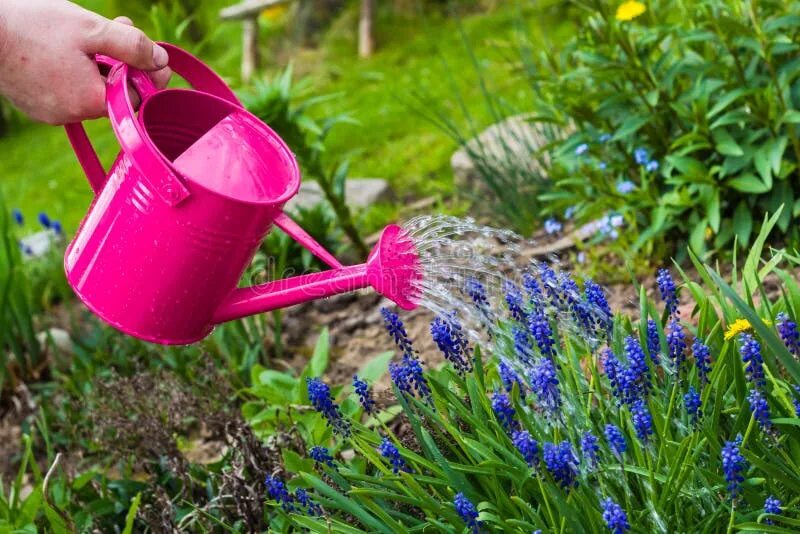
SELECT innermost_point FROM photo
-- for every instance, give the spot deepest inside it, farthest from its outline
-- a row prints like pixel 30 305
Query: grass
pixel 40 172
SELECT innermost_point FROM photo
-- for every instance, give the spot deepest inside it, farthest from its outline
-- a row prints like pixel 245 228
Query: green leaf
pixel 338 179
pixel 762 163
pixel 131 517
pixel 630 126
pixel 792 116
pixel 743 223
pixel 319 360
pixel 750 270
pixel 725 144
pixel 777 147
pixel 688 166
pixel 748 183
pixel 376 367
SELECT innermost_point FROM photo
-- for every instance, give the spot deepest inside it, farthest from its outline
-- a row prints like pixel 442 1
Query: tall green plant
pixel 687 116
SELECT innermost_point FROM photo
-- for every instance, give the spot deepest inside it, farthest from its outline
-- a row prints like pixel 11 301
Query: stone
pixel 359 193
pixel 36 245
pixel 507 146
pixel 60 337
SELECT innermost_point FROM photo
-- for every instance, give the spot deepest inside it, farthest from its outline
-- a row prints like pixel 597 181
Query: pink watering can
pixel 197 185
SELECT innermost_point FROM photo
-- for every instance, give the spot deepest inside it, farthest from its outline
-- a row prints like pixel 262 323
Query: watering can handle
pixel 167 185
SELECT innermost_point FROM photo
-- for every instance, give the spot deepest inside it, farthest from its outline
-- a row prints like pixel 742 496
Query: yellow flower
pixel 630 10
pixel 741 325
pixel 736 328
pixel 274 12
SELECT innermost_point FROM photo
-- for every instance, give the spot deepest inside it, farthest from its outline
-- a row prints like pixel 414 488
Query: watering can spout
pixel 392 269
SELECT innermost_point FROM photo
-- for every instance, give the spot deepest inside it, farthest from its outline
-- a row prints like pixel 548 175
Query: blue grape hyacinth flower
pixel 55 226
pixel 16 214
pixel 509 377
pixel 772 506
pixel 642 420
pixel 652 166
pixel 44 220
pixel 448 335
pixel 668 291
pixel 522 345
pixel 409 378
pixel 624 187
pixel 542 333
pixel 760 409
pixel 504 411
pixel 364 394
pixel 467 511
pixel 304 501
pixel 750 351
pixel 276 489
pixel 733 466
pixel 527 447
pixel 641 156
pixel 615 517
pixel 544 383
pixel 653 342
pixel 561 463
pixel 692 402
pixel 516 307
pixel 321 456
pixel 397 330
pixel 616 440
pixel 598 303
pixel 676 342
pixel 789 333
pixel 581 149
pixel 477 294
pixel 389 451
pixel 702 360
pixel 319 393
pixel 589 449
pixel 638 373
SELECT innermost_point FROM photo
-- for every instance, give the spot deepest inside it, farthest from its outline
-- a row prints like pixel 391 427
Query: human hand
pixel 47 66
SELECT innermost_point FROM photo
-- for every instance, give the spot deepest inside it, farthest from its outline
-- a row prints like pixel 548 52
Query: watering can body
pixel 175 222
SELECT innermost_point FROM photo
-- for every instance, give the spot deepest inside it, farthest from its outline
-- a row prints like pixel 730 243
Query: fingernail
pixel 160 56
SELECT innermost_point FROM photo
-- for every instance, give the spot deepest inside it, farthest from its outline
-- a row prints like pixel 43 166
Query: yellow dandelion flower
pixel 742 325
pixel 630 10
pixel 274 12
pixel 736 328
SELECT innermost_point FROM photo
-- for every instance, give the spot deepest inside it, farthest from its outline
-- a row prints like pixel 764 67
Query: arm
pixel 47 66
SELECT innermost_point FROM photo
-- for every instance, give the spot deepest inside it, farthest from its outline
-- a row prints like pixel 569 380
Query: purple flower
pixel 692 402
pixel 581 149
pixel 796 402
pixel 615 372
pixel 589 449
pixel 676 341
pixel 552 226
pixel 561 463
pixel 44 220
pixel 514 301
pixel 668 291
pixel 616 441
pixel 467 511
pixel 408 376
pixel 504 411
pixel 653 342
pixel 733 465
pixel 760 409
pixel 532 287
pixel 321 456
pixel 319 393
pixel 570 212
pixel 638 372
pixel 652 166
pixel 615 517
pixel 550 284
pixel 789 333
pixel 544 384
pixel 604 138
pixel 364 394
pixel 772 506
pixel 598 303
pixel 304 500
pixel 624 187
pixel 540 329
pixel 750 351
pixel 510 377
pixel 477 293
pixel 522 345
pixel 572 296
pixel 16 214
pixel 448 335
pixel 389 451
pixel 642 420
pixel 394 326
pixel 527 446
pixel 55 226
pixel 276 489
pixel 702 360
pixel 640 156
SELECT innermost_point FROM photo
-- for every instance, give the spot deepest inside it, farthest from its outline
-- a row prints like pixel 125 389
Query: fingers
pixel 120 40
pixel 161 77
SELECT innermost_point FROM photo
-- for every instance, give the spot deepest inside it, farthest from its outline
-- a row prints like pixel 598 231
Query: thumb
pixel 127 44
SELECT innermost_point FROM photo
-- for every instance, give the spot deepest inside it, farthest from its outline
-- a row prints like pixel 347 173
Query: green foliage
pixel 672 482
pixel 709 89
pixel 275 102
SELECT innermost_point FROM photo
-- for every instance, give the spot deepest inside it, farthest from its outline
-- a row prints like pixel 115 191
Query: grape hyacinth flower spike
pixel 642 420
pixel 733 465
pixel 16 214
pixel 527 447
pixel 276 489
pixel 467 511
pixel 702 360
pixel 760 409
pixel 448 335
pixel 750 351
pixel 544 383
pixel 509 377
pixel 514 301
pixel 615 517
pixel 772 506
pixel 789 333
pixel 589 449
pixel 616 441
pixel 668 291
pixel 561 463
pixel 653 342
pixel 304 501
pixel 364 394
pixel 397 330
pixel 389 451
pixel 44 220
pixel 321 456
pixel 504 411
pixel 319 393
pixel 676 341
pixel 692 402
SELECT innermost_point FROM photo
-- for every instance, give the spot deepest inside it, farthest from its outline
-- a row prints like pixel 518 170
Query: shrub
pixel 582 424
pixel 687 118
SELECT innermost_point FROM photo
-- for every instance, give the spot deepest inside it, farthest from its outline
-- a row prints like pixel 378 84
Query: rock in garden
pixel 359 193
